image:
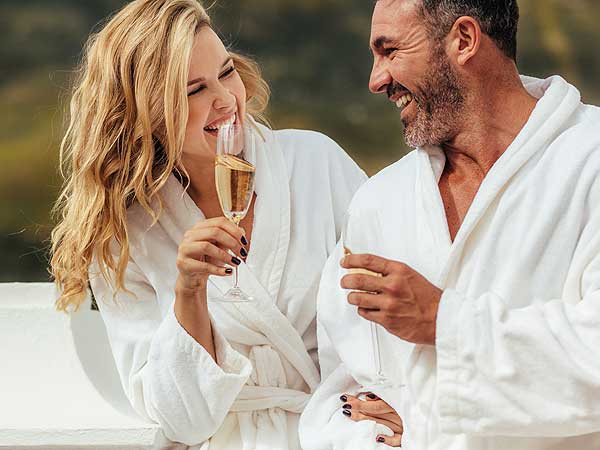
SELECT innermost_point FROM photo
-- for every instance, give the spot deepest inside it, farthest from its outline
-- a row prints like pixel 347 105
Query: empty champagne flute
pixel 235 167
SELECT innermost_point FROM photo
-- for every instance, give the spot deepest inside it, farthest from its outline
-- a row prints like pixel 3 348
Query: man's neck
pixel 495 118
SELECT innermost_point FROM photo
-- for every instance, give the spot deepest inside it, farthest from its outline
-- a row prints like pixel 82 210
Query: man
pixel 489 255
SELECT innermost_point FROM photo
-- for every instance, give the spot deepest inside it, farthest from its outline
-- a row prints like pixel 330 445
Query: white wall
pixel 58 384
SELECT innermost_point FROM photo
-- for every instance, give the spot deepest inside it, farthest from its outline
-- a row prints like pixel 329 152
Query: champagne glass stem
pixel 376 349
pixel 236 220
pixel 380 366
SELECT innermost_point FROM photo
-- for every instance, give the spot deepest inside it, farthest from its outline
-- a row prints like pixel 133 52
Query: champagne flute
pixel 363 238
pixel 235 167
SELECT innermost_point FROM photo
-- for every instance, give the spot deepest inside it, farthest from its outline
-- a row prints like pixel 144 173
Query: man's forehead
pixel 390 11
pixel 389 18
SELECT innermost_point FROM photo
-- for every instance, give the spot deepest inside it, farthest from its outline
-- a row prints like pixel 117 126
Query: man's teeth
pixel 226 122
pixel 404 100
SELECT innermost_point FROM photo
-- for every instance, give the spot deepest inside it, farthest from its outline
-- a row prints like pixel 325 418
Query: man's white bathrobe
pixel 266 351
pixel 516 365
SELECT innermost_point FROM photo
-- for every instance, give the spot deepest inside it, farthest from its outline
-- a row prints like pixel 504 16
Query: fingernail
pixel 372 396
pixel 244 240
pixel 243 252
pixel 347 413
pixel 344 398
pixel 229 271
pixel 347 406
pixel 236 261
pixel 380 439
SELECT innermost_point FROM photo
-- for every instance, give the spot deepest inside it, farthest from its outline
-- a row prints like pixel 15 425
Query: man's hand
pixel 401 300
pixel 373 408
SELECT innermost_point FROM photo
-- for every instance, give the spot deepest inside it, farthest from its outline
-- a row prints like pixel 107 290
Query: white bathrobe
pixel 266 351
pixel 516 365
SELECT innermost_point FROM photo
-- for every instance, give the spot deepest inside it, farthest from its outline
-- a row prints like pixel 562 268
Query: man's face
pixel 415 73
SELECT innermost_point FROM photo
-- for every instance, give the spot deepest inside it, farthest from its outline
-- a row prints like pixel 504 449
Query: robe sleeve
pixel 167 375
pixel 533 371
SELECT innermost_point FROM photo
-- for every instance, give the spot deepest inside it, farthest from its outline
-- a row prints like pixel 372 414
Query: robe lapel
pixel 261 275
pixel 259 322
pixel 558 101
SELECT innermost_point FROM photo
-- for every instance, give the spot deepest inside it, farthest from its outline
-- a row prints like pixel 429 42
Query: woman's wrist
pixel 193 291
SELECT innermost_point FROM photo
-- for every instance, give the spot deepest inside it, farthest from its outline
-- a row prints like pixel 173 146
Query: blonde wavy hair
pixel 126 127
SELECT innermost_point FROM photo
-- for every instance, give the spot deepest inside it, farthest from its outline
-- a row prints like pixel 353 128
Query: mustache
pixel 393 88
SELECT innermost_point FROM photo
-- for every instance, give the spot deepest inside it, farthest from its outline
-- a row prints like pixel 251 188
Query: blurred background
pixel 314 53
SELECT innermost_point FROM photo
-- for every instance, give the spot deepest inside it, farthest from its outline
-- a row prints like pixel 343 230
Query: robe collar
pixel 271 227
pixel 557 102
pixel 259 322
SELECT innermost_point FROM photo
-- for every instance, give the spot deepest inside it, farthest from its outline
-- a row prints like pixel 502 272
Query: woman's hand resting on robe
pixel 203 252
pixel 373 408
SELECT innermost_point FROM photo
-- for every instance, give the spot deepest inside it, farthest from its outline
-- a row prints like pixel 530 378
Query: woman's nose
pixel 224 99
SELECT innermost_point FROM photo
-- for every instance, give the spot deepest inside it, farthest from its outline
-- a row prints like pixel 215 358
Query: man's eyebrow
pixel 379 42
pixel 198 80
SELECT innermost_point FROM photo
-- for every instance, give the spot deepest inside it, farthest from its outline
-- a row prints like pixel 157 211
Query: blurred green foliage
pixel 314 53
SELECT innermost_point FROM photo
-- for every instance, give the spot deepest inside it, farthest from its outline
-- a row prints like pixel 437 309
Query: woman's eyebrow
pixel 197 80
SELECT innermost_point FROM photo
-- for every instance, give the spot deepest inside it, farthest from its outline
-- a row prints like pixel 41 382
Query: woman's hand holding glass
pixel 204 251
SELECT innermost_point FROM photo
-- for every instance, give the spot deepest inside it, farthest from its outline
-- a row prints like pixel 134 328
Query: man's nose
pixel 380 78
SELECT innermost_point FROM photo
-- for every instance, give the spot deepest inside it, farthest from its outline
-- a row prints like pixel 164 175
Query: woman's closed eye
pixel 228 72
pixel 198 89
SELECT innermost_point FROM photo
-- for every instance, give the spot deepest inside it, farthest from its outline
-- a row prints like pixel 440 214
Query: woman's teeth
pixel 215 127
pixel 403 101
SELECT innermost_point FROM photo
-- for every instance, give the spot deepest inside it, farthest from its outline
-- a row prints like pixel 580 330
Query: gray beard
pixel 439 105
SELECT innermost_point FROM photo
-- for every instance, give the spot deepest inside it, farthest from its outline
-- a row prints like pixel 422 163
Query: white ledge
pixel 58 385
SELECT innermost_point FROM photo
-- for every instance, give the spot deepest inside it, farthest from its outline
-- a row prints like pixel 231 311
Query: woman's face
pixel 216 94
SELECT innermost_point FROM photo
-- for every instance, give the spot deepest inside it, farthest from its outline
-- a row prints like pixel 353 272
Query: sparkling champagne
pixel 235 185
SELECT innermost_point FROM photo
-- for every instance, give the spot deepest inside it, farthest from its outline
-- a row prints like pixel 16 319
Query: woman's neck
pixel 202 189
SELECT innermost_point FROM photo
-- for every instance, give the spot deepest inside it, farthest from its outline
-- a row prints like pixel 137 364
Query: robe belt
pixel 256 398
pixel 265 388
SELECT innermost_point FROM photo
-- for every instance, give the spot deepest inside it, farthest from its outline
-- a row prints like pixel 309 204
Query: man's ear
pixel 464 40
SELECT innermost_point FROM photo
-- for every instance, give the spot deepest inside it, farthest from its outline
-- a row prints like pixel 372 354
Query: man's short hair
pixel 498 19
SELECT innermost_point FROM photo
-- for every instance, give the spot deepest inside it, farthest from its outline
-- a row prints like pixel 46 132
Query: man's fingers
pixel 373 263
pixel 361 282
pixel 372 316
pixel 392 441
pixel 365 300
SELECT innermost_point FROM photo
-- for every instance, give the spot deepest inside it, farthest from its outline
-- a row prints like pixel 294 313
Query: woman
pixel 141 221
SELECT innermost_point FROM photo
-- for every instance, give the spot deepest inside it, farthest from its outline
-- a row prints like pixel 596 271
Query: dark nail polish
pixel 347 413
pixel 344 398
pixel 372 396
pixel 243 252
pixel 381 440
pixel 229 271
pixel 236 261
pixel 244 240
pixel 347 406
